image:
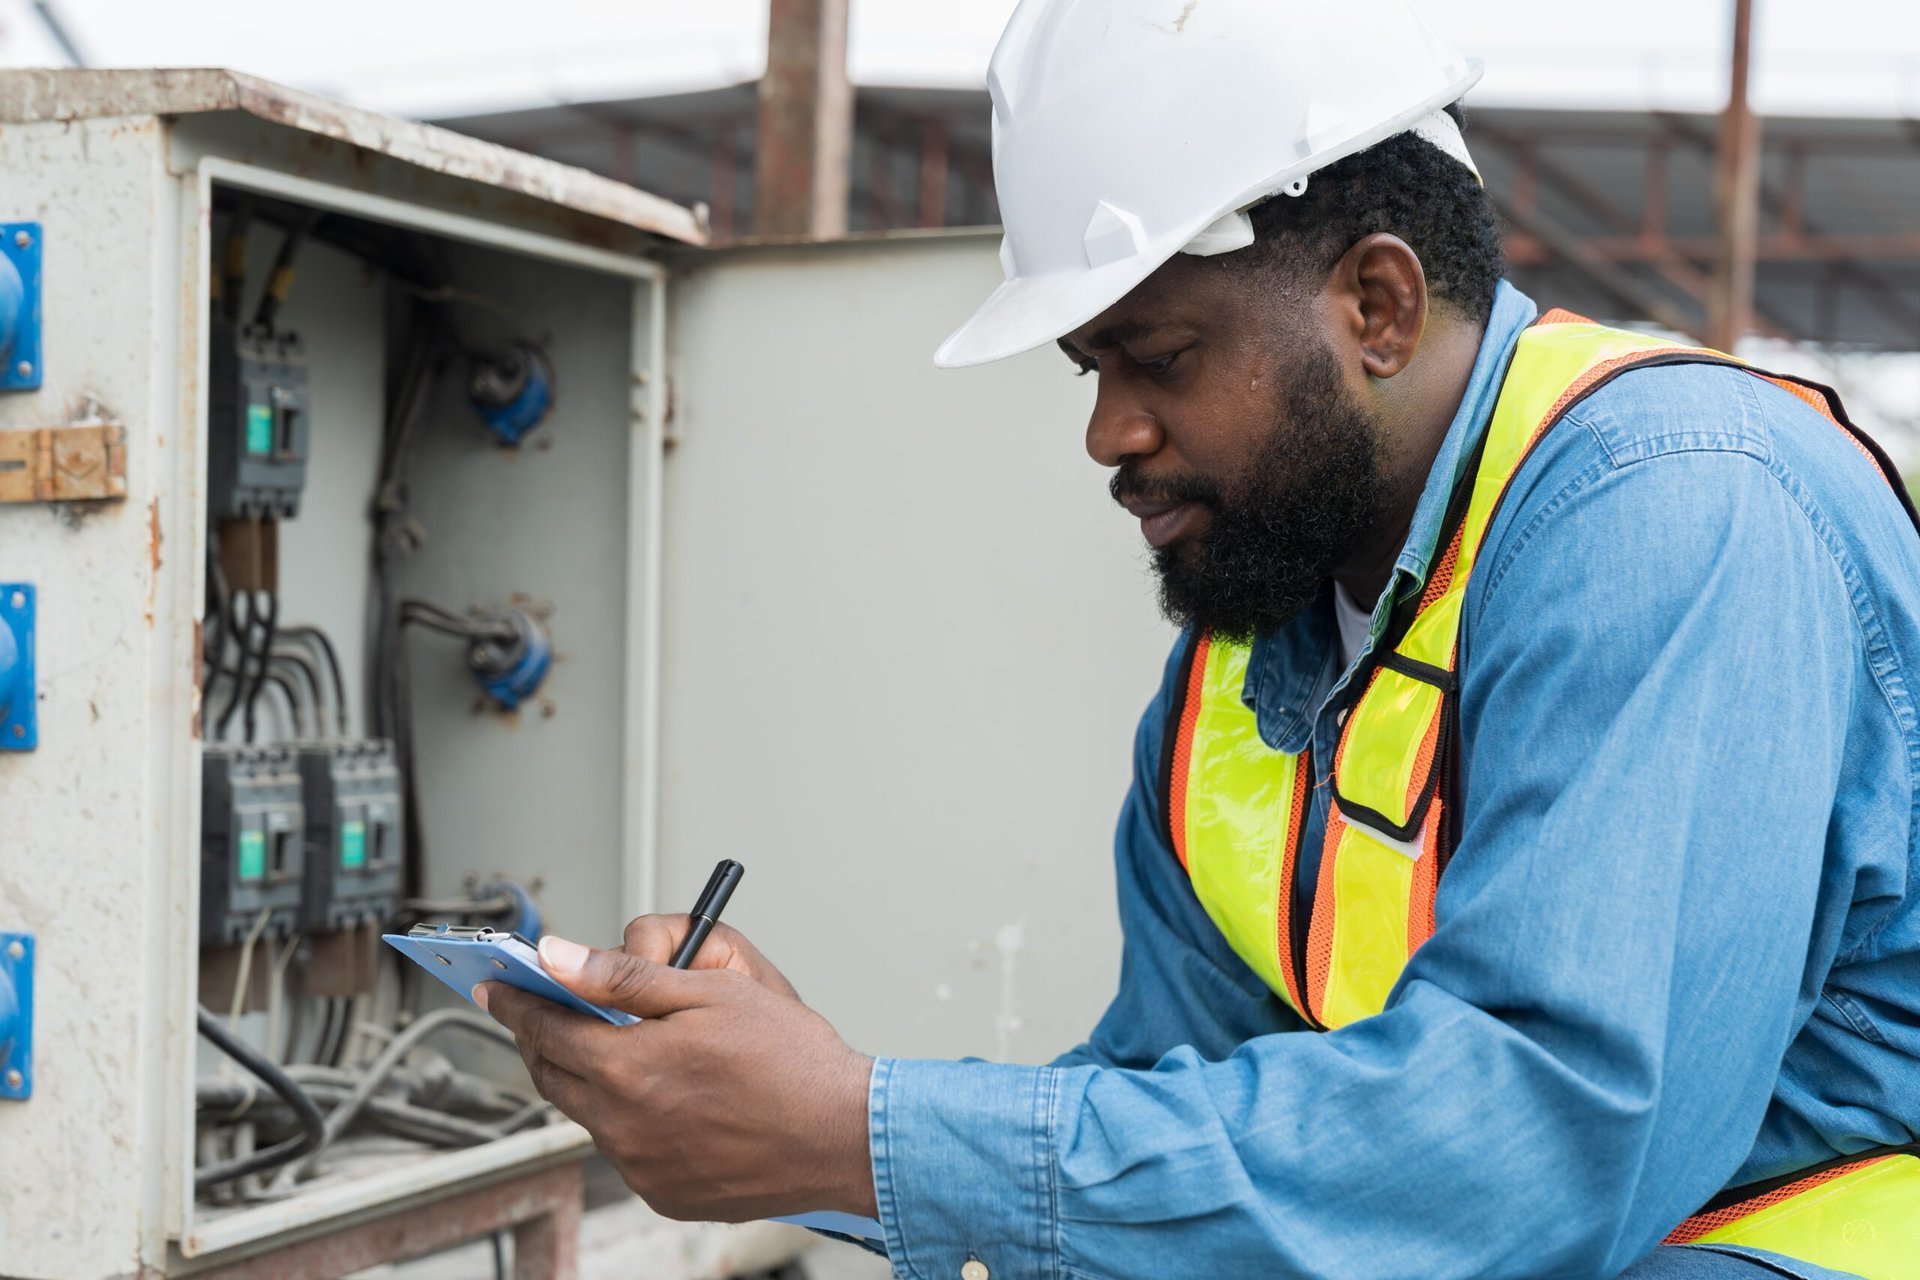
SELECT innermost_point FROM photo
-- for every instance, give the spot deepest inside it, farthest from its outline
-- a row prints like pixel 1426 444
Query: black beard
pixel 1307 499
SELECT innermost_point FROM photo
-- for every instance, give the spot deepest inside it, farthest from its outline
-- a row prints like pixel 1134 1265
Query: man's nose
pixel 1121 426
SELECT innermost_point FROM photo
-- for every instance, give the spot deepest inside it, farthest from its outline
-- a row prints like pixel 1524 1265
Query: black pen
pixel 707 908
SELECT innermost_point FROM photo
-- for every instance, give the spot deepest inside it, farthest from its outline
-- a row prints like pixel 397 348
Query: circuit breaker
pixel 259 422
pixel 350 792
pixel 252 846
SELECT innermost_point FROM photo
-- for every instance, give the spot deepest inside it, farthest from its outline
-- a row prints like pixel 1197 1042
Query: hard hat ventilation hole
pixel 1296 188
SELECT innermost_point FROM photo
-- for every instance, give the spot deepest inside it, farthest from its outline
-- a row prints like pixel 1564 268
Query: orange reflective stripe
pixel 1426 877
pixel 1702 1223
pixel 1183 748
pixel 1320 923
pixel 1289 869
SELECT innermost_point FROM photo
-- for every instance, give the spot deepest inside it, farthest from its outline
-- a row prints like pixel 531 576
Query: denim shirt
pixel 1678 947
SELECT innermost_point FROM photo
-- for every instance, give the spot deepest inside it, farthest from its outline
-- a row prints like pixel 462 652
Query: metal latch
pixel 64 464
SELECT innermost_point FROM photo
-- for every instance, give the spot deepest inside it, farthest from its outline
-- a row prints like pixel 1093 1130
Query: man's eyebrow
pixel 1112 336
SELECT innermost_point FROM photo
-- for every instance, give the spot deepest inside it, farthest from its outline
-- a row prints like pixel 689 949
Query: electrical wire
pixel 245 968
pixel 312 1124
pixel 383 1066
pixel 230 621
pixel 317 639
pixel 266 657
pixel 295 658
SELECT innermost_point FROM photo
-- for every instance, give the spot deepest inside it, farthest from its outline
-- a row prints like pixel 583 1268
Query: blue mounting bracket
pixel 19 718
pixel 20 306
pixel 16 1016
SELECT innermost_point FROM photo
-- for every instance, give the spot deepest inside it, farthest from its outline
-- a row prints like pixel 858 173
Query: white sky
pixel 445 57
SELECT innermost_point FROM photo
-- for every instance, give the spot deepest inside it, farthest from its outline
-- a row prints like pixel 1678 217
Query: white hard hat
pixel 1126 131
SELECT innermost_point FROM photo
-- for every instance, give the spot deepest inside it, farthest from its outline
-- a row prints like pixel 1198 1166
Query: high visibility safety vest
pixel 1235 808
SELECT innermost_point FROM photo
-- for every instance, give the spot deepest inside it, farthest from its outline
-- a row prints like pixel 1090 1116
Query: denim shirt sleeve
pixel 1582 1053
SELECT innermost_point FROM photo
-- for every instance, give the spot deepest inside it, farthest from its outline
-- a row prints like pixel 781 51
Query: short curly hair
pixel 1405 186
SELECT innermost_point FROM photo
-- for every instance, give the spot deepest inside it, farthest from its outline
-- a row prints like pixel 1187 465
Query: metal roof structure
pixel 1610 212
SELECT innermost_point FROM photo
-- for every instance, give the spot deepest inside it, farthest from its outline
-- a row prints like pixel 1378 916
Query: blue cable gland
pixel 513 391
pixel 19 711
pixel 20 306
pixel 510 672
pixel 16 1016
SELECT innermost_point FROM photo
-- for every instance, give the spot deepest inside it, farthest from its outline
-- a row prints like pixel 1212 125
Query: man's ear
pixel 1380 292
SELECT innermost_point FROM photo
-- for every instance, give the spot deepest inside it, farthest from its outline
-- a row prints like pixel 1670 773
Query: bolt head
pixel 22 239
pixel 17 949
pixel 19 731
pixel 24 368
pixel 19 599
pixel 15 1079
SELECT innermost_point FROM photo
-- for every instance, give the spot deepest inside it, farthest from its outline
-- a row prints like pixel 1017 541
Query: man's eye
pixel 1159 364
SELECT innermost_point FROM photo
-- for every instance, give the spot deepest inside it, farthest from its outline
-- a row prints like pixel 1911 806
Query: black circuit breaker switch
pixel 252 842
pixel 259 423
pixel 351 794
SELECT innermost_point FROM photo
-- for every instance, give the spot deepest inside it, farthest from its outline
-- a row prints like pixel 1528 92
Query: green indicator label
pixel 353 844
pixel 253 855
pixel 259 428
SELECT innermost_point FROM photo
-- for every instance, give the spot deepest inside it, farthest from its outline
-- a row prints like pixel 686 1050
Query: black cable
pixel 280 279
pixel 297 660
pixel 233 262
pixel 312 1124
pixel 341 1031
pixel 266 658
pixel 319 639
pixel 232 621
pixel 328 1011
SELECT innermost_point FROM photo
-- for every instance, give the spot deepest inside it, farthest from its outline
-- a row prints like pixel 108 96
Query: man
pixel 1519 850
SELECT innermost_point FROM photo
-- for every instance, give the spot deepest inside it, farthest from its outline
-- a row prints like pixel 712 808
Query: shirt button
pixel 974 1270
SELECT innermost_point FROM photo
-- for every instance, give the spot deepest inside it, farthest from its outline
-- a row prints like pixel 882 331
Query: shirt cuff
pixel 963 1168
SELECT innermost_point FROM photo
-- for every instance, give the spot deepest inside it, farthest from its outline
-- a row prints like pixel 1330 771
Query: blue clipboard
pixel 464 957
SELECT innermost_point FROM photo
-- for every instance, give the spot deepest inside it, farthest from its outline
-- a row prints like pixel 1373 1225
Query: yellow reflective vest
pixel 1235 809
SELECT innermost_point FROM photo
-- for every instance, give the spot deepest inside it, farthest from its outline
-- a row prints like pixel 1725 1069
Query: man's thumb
pixel 616 979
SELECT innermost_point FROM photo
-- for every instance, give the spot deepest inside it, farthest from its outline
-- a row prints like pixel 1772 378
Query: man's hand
pixel 732 1101
pixel 655 938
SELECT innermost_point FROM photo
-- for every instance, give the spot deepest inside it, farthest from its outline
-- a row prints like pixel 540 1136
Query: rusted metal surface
pixel 36 94
pixel 64 464
pixel 1736 197
pixel 542 1211
pixel 806 121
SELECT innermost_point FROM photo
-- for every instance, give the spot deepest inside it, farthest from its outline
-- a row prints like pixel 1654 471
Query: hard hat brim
pixel 1031 311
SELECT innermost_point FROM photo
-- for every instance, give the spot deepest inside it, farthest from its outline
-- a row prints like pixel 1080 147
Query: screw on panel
pixel 19 599
pixel 24 368
pixel 19 731
pixel 16 950
pixel 15 1079
pixel 22 239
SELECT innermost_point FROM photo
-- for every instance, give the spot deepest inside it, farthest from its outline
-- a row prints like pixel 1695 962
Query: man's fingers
pixel 657 937
pixel 619 980
pixel 576 1042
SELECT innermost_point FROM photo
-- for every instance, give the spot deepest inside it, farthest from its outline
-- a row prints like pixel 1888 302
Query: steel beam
pixel 806 122
pixel 1736 197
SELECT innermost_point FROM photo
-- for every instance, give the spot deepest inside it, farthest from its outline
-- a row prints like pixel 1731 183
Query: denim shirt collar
pixel 1291 674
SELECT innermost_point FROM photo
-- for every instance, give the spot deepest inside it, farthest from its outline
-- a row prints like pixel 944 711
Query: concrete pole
pixel 1736 198
pixel 806 122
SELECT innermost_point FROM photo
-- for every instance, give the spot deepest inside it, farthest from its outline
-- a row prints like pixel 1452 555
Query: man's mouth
pixel 1162 522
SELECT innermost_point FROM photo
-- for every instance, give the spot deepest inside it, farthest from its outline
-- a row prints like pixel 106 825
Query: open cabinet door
pixel 907 640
